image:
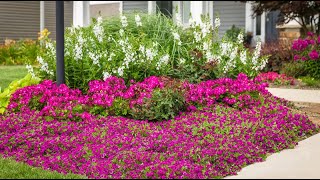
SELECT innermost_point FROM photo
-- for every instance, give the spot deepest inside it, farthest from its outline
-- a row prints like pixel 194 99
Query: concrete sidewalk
pixel 297 95
pixel 302 162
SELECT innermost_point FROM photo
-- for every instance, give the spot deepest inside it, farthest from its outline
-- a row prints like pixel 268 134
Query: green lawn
pixel 10 169
pixel 11 73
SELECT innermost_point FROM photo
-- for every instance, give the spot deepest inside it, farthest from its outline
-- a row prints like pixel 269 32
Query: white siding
pixel 129 6
pixel 19 20
pixel 230 13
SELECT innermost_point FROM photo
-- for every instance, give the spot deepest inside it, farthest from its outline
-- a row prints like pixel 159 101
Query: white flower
pixel 243 57
pixel 182 61
pixel 176 37
pixel 111 56
pixel 150 54
pixel 217 22
pixel 106 75
pixel 162 61
pixel 205 46
pixel 234 53
pixel 138 20
pixel 98 29
pixel 155 44
pixel 72 29
pixel 99 20
pixel 205 28
pixel 178 19
pixel 81 41
pixel 95 58
pixel 124 21
pixel 256 53
pixel 120 71
pixel 30 70
pixel 142 48
pixel 51 48
pixel 226 47
pixel 209 56
pixel 44 66
pixel 311 3
pixel 240 38
pixel 78 52
pixel 121 32
pixel 197 36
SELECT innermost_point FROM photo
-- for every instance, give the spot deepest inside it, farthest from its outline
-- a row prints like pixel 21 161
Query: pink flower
pixel 310 34
pixel 314 55
pixel 304 58
pixel 296 57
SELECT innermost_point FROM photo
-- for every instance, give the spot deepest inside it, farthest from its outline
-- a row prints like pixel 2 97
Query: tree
pixel 306 13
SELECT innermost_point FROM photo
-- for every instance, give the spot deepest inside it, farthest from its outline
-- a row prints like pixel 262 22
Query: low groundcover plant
pixel 228 124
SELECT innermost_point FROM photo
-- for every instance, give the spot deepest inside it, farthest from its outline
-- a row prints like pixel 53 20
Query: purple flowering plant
pixel 307 50
pixel 228 124
pixel 274 77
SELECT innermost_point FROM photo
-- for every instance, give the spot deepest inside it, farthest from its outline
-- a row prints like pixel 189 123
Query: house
pixel 24 19
pixel 230 13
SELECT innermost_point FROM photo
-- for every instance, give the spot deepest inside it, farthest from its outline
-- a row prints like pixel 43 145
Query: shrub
pixel 153 99
pixel 273 77
pixel 294 69
pixel 279 54
pixel 19 53
pixel 132 47
pixel 307 50
pixel 233 32
pixel 309 81
pixel 165 103
pixel 13 87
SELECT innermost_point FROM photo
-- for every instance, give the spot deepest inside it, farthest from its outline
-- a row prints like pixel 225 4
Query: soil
pixel 312 110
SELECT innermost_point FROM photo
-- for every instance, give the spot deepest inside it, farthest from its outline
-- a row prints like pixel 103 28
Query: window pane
pixel 164 7
pixel 258 25
pixel 186 11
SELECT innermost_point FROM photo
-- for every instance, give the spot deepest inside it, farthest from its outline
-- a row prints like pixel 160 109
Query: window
pixel 258 25
pixel 165 7
pixel 185 11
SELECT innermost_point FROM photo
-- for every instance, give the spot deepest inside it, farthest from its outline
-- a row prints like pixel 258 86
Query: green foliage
pixel 233 32
pixel 294 69
pixel 280 54
pixel 15 85
pixel 310 81
pixel 120 107
pixel 313 68
pixel 19 53
pixel 164 104
pixel 125 48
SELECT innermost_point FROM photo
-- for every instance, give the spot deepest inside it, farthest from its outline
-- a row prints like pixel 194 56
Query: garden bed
pixel 207 141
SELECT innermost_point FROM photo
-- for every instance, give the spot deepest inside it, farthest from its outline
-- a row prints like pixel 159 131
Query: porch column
pixel 263 27
pixel 81 13
pixel 151 7
pixel 196 9
pixel 42 21
pixel 249 19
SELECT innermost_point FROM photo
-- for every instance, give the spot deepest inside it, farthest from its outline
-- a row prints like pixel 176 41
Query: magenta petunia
pixel 314 55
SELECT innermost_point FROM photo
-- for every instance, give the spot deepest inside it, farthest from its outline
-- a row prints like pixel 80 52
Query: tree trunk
pixel 304 27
